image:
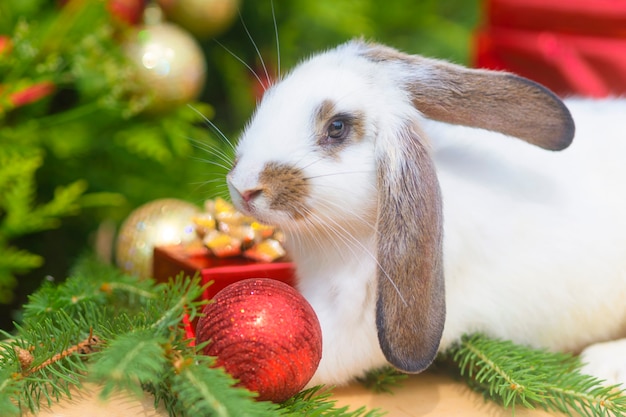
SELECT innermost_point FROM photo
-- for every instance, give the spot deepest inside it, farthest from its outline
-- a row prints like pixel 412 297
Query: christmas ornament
pixel 124 11
pixel 127 11
pixel 5 45
pixel 160 222
pixel 203 18
pixel 32 93
pixel 265 334
pixel 170 62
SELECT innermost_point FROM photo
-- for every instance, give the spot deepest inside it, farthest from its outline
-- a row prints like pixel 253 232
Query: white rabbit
pixel 388 172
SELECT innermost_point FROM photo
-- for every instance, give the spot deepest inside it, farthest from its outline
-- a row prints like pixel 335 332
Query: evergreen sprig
pixel 125 334
pixel 72 105
pixel 383 380
pixel 534 378
pixel 207 391
pixel 21 214
pixel 316 401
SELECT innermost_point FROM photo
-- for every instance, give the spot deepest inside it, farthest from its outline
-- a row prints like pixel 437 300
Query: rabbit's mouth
pixel 277 197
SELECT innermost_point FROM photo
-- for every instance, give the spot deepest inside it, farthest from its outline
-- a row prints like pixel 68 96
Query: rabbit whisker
pixel 213 127
pixel 244 63
pixel 212 162
pixel 216 153
pixel 217 181
pixel 278 76
pixel 346 237
pixel 340 234
pixel 258 53
pixel 217 186
pixel 338 242
pixel 336 206
pixel 216 159
pixel 338 173
pixel 209 147
pixel 313 162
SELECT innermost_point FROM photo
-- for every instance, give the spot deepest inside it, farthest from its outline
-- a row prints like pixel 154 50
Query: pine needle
pixel 533 378
pixel 141 347
pixel 317 402
pixel 206 391
pixel 9 385
pixel 383 380
pixel 130 359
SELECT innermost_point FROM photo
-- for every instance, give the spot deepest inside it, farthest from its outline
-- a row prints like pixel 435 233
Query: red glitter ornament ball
pixel 265 334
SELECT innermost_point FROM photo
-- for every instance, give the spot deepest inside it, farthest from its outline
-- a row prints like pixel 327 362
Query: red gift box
pixel 169 261
pixel 574 47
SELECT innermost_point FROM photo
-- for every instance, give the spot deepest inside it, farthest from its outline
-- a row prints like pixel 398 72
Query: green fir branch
pixel 14 261
pixel 15 166
pixel 129 359
pixel 24 217
pixel 383 380
pixel 20 213
pixel 180 295
pixel 90 110
pixel 533 378
pixel 208 391
pixel 46 359
pixel 18 260
pixel 125 333
pixel 317 401
pixel 8 385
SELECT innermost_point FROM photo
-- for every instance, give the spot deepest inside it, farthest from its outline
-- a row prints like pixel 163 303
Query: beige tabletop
pixel 85 403
pixel 430 394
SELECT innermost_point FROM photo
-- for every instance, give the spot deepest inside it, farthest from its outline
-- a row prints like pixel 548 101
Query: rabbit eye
pixel 338 130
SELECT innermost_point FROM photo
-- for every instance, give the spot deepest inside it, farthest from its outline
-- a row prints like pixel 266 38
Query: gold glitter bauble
pixel 204 18
pixel 161 222
pixel 170 62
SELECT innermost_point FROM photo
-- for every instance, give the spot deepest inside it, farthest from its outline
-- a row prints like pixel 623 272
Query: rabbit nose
pixel 249 195
pixel 238 191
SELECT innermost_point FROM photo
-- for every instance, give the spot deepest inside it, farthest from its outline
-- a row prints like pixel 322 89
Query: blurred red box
pixel 169 261
pixel 574 47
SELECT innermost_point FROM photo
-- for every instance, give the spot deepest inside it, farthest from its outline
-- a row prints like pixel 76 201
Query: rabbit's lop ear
pixel 410 308
pixel 491 100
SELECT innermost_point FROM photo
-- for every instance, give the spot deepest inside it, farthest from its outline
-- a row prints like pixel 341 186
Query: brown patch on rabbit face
pixel 286 188
pixel 325 116
pixel 491 100
pixel 324 113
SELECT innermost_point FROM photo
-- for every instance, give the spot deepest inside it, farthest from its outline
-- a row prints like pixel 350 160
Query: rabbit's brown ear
pixel 410 308
pixel 491 100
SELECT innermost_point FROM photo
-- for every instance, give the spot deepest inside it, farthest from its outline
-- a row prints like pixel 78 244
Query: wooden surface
pixel 85 403
pixel 429 394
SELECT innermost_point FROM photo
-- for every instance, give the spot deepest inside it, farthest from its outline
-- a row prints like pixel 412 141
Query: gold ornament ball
pixel 170 63
pixel 203 18
pixel 160 222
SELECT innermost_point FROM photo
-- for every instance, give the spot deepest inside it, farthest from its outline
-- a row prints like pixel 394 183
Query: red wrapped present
pixel 169 261
pixel 574 47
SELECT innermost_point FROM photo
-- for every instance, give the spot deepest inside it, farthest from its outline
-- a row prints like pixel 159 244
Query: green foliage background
pixel 88 153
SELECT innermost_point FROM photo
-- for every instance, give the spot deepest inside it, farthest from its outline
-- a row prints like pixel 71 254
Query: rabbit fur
pixel 414 214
